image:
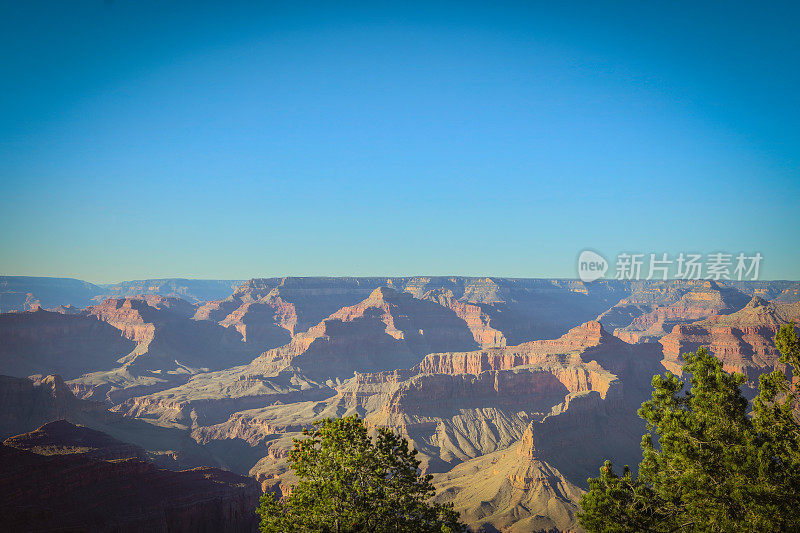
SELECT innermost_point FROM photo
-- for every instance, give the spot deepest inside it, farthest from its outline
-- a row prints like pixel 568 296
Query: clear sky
pixel 237 139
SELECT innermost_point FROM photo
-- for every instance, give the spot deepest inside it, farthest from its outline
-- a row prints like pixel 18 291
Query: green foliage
pixel 714 468
pixel 350 482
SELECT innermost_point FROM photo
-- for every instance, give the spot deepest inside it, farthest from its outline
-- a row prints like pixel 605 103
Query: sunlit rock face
pixel 513 391
pixel 744 341
pixel 654 308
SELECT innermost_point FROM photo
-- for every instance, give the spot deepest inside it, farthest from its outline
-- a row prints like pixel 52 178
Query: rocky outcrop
pixel 41 342
pixel 170 347
pixel 64 438
pixel 473 315
pixel 85 493
pixel 210 398
pixel 269 312
pixel 387 331
pixel 744 340
pixel 119 348
pixel 654 308
pixel 589 337
pixel 27 404
pixel 513 490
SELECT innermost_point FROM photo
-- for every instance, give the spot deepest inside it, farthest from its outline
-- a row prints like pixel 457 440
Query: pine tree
pixel 714 467
pixel 350 482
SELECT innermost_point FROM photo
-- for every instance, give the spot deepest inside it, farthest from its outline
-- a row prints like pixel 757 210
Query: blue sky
pixel 238 139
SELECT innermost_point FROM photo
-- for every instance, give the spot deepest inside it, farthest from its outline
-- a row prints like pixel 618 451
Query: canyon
pixel 514 391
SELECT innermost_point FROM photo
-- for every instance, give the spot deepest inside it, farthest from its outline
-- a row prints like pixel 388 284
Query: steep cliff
pixel 88 494
pixel 513 490
pixel 654 308
pixel 744 340
pixel 269 312
pixel 386 331
pixel 170 347
pixel 42 342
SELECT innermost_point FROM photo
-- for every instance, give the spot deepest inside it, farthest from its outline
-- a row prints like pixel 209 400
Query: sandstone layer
pixel 509 389
pixel 654 308
pixel 744 340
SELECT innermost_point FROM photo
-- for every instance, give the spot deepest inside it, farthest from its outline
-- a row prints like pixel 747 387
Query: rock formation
pixel 743 340
pixel 509 389
pixel 655 308
pixel 170 347
pixel 101 490
pixel 42 342
pixel 64 438
pixel 513 490
pixel 388 330
pixel 28 404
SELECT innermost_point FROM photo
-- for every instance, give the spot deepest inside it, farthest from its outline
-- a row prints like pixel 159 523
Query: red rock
pixel 656 307
pixel 744 340
pixel 388 330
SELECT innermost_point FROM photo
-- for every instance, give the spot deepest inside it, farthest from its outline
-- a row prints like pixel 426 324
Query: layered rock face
pixel 510 490
pixel 655 308
pixel 529 309
pixel 41 342
pixel 170 347
pixel 386 331
pixel 584 336
pixel 496 310
pixel 453 406
pixel 478 321
pixel 510 391
pixel 194 291
pixel 269 312
pixel 744 340
pixel 26 404
pixel 103 490
pixel 119 348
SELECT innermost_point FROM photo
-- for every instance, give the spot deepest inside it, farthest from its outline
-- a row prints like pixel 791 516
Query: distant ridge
pixel 26 293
